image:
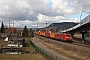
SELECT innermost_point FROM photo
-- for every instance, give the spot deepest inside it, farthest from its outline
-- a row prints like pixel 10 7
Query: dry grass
pixel 3 43
pixel 88 38
pixel 62 51
pixel 31 38
pixel 21 57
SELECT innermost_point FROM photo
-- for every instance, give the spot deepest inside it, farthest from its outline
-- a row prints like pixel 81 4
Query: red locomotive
pixel 59 36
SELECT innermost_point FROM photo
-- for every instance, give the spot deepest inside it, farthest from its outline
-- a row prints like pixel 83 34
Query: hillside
pixel 61 26
pixel 55 27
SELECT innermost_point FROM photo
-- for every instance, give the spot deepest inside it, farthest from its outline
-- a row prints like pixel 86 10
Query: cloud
pixel 25 9
pixel 80 5
pixel 47 19
pixel 26 12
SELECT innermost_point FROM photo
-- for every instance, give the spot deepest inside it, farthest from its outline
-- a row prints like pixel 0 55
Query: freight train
pixel 58 36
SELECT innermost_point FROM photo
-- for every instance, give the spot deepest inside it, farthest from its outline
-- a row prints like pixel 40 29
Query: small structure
pixel 6 39
pixel 12 50
pixel 12 36
pixel 12 45
pixel 21 42
pixel 3 35
pixel 16 43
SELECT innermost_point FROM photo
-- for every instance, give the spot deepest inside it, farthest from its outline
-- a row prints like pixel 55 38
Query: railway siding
pixel 82 51
pixel 74 49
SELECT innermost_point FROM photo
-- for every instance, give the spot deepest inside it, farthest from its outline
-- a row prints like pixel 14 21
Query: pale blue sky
pixel 84 14
pixel 49 4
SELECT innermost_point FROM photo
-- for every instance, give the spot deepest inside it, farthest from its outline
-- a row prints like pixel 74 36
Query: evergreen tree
pixel 30 33
pixel 2 28
pixel 25 32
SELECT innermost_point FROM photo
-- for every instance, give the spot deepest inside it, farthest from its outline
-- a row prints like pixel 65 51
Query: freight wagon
pixel 59 36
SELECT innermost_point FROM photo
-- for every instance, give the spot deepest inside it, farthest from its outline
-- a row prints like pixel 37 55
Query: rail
pixel 70 47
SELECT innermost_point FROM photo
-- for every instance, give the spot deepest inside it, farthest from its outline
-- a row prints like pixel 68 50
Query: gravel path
pixel 37 42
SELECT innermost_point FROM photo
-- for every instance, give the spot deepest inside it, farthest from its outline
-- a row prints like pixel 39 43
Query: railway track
pixel 76 47
pixel 75 42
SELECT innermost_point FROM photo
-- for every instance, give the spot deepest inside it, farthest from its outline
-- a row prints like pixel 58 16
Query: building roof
pixel 20 39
